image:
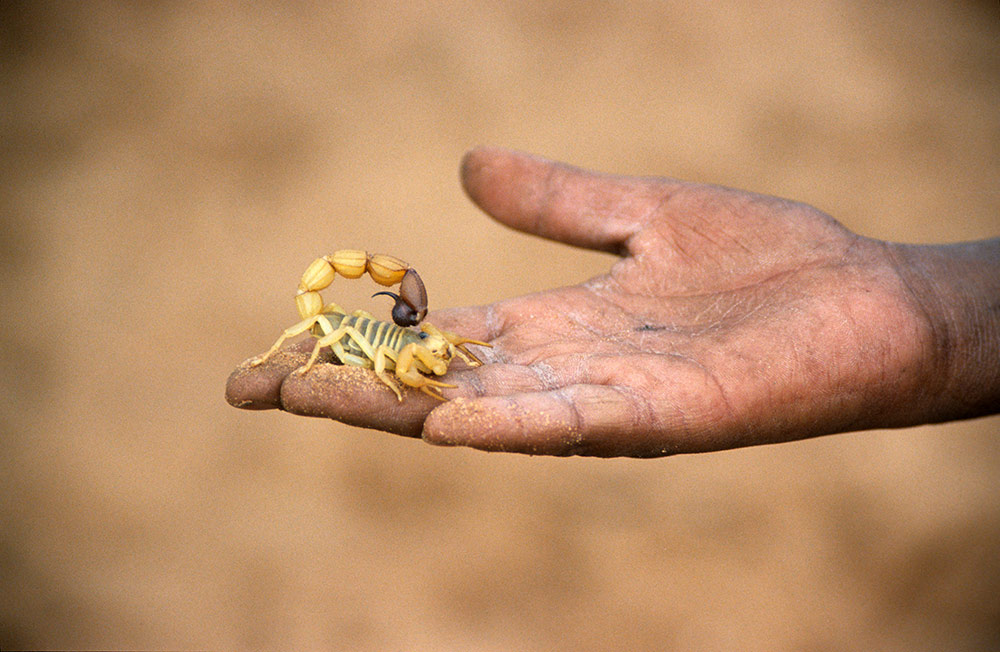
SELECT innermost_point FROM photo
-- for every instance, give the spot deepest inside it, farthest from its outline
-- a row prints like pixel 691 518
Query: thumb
pixel 560 202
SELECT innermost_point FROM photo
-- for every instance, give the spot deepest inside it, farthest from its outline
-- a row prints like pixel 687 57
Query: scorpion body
pixel 358 339
pixel 374 331
pixel 364 336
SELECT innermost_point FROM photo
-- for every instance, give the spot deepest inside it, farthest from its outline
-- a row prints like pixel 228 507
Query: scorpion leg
pixel 334 338
pixel 348 359
pixel 383 354
pixel 291 331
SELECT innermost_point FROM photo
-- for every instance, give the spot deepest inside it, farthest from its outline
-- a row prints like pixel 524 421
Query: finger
pixel 356 396
pixel 577 420
pixel 561 202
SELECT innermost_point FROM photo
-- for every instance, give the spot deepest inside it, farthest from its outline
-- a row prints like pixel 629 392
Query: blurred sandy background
pixel 168 172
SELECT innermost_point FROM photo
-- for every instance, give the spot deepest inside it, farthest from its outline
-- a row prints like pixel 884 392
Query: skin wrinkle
pixel 784 279
pixel 606 370
pixel 720 321
pixel 520 415
pixel 583 324
pixel 856 330
pixel 547 377
pixel 644 347
pixel 619 295
pixel 663 231
pixel 648 415
pixel 628 249
pixel 735 205
pixel 629 339
pixel 846 252
pixel 577 424
pixel 857 342
pixel 704 235
pixel 553 373
pixel 673 243
pixel 636 223
pixel 642 328
pixel 494 323
pixel 636 420
pixel 940 338
pixel 475 381
pixel 544 211
pixel 579 372
pixel 717 323
pixel 730 412
pixel 643 416
pixel 542 352
pixel 593 331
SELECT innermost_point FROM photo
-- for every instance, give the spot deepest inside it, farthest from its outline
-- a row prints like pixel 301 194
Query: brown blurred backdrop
pixel 170 169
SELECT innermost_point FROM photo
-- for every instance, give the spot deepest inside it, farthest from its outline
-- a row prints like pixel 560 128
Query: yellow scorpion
pixel 358 339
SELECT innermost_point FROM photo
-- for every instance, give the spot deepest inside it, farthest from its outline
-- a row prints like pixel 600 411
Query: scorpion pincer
pixel 359 339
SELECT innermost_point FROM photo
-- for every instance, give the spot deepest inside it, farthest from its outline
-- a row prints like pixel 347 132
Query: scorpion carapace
pixel 358 339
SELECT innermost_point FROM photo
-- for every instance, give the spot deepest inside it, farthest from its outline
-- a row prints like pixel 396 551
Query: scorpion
pixel 359 339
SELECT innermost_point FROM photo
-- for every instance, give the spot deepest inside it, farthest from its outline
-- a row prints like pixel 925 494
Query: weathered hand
pixel 732 319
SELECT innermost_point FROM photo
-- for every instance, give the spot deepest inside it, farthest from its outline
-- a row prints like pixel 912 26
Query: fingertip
pixel 259 387
pixel 495 178
pixel 247 391
pixel 472 167
pixel 482 156
pixel 475 158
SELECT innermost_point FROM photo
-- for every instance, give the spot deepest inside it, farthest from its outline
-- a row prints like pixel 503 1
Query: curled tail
pixel 411 302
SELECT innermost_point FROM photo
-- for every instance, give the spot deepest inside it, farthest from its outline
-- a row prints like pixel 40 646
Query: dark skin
pixel 731 319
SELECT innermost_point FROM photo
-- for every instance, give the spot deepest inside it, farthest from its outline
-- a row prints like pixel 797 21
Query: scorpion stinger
pixel 411 304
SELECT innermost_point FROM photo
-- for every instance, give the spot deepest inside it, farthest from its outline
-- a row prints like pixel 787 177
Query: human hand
pixel 732 319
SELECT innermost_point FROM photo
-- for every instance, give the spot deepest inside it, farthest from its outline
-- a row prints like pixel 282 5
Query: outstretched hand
pixel 731 319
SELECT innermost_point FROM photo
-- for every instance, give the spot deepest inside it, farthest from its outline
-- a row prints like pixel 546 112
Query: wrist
pixel 956 291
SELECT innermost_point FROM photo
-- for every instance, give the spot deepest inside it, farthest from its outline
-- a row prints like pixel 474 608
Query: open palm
pixel 732 319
